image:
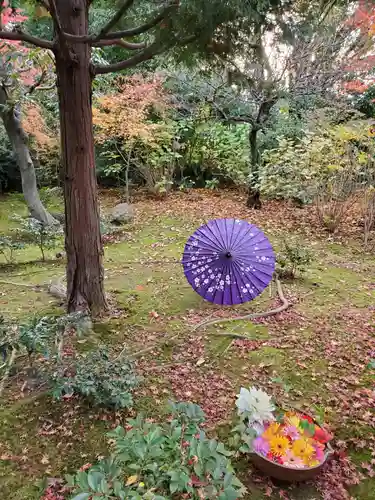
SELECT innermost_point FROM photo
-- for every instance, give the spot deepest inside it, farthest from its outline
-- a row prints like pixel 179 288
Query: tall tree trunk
pixel 253 195
pixel 18 139
pixel 85 277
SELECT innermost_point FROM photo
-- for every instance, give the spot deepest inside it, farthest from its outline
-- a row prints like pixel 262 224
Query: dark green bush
pixel 104 381
pixel 160 462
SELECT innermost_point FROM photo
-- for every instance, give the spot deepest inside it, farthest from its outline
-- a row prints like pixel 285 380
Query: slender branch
pixel 7 371
pixel 145 55
pixel 25 37
pixel 56 18
pixel 115 19
pixel 121 43
pixel 144 27
pixel 46 87
pixel 37 83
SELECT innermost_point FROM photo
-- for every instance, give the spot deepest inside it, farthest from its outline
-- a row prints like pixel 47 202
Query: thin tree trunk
pixel 253 195
pixel 18 140
pixel 85 277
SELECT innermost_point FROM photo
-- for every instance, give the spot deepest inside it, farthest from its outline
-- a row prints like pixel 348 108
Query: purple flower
pixel 261 446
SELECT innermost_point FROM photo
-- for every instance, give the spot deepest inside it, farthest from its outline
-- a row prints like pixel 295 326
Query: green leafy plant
pixel 39 335
pixel 293 259
pixel 185 184
pixel 160 462
pixel 8 247
pixel 212 184
pixel 104 381
pixel 35 232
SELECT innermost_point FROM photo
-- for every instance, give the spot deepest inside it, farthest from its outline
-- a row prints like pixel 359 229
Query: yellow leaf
pixel 131 480
pixel 41 12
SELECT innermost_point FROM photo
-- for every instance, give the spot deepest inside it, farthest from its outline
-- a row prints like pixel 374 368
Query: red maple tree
pixel 361 62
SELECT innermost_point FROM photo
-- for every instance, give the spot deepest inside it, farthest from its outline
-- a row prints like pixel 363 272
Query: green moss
pixel 53 453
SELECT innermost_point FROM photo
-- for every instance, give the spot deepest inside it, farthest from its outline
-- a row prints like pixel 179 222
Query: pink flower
pixel 319 453
pixel 292 432
pixel 290 460
pixel 261 446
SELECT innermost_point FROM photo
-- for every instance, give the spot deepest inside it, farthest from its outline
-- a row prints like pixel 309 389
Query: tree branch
pixel 121 43
pixel 56 18
pixel 37 83
pixel 20 36
pixel 115 19
pixel 145 55
pixel 144 27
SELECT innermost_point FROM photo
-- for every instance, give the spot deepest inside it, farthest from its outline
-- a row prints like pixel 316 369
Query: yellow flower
pixel 292 419
pixel 271 431
pixel 312 462
pixel 303 449
pixel 279 445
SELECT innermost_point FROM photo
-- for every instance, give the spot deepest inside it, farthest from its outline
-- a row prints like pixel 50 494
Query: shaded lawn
pixel 315 355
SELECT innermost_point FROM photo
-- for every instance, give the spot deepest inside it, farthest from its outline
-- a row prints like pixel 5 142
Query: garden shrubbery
pixel 161 461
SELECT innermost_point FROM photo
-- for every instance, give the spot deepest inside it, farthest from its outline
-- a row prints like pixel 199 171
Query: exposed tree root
pixel 57 289
pixel 285 304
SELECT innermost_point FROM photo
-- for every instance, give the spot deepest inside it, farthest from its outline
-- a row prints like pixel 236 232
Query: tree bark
pixel 18 140
pixel 253 194
pixel 85 276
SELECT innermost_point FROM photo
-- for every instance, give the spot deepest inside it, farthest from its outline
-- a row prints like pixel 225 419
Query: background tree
pixel 302 53
pixel 22 72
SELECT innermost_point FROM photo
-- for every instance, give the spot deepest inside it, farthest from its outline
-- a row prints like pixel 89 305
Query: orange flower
pixel 279 445
pixel 271 431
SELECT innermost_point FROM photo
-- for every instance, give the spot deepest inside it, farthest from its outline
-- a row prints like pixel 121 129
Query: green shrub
pixel 287 173
pixel 293 259
pixel 38 335
pixel 161 462
pixel 219 150
pixel 327 165
pixel 103 381
pixel 36 233
pixel 8 247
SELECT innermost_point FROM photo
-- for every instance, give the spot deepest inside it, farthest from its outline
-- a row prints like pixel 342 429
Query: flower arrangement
pixel 291 438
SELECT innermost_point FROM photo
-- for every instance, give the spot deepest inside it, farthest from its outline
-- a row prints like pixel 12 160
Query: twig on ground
pixel 26 285
pixel 151 348
pixel 234 336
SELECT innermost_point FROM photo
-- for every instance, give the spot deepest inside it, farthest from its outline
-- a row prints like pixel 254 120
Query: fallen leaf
pixel 131 480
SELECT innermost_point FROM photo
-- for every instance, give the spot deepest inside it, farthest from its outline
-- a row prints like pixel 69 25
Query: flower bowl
pixel 288 445
pixel 285 473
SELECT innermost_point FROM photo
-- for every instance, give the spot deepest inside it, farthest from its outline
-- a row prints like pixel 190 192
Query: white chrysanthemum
pixel 256 404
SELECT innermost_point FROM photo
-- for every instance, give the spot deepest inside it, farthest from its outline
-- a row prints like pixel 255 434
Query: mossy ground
pixel 40 438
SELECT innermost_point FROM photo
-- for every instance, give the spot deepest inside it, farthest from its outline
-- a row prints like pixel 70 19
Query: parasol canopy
pixel 228 261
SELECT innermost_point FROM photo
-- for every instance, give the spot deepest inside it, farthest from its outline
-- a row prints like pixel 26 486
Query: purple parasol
pixel 228 261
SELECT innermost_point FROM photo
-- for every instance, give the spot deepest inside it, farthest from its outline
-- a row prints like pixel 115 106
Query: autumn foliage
pixel 124 115
pixel 361 63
